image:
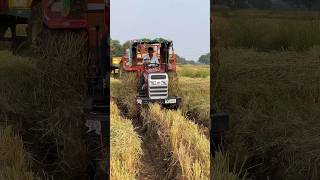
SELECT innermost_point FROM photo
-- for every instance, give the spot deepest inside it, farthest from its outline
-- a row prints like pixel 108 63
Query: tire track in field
pixel 153 161
pixel 156 159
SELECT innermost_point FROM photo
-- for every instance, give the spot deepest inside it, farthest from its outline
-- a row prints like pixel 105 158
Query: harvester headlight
pixel 153 83
pixel 163 83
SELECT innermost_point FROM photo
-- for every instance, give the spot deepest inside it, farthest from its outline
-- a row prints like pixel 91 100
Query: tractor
pixel 153 84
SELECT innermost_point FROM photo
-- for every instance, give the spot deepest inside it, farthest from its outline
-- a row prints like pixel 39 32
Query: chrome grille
pixel 158 90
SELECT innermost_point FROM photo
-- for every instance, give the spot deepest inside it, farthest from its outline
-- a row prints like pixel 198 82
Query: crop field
pixel 175 144
pixel 42 112
pixel 268 80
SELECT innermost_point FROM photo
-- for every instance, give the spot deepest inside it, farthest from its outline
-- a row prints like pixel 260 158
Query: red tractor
pixel 153 85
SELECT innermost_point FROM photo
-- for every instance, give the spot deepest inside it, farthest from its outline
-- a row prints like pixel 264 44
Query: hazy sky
pixel 186 22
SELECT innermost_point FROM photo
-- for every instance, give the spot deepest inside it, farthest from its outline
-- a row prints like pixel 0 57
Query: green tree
pixel 205 59
pixel 184 61
pixel 126 45
pixel 116 48
pixel 181 59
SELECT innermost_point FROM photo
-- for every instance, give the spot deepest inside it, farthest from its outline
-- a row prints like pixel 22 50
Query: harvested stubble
pixel 63 57
pixel 183 138
pixel 193 71
pixel 14 160
pixel 125 147
pixel 125 91
pixel 46 95
pixel 297 31
pixel 194 88
pixel 221 168
pixel 173 88
pixel 195 94
pixel 63 62
pixel 273 99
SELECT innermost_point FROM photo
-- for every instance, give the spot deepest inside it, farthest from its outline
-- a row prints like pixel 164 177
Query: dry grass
pixel 273 99
pixel 124 91
pixel 125 147
pixel 220 168
pixel 190 147
pixel 45 96
pixel 14 160
pixel 63 64
pixel 194 88
pixel 183 138
pixel 195 93
pixel 193 71
pixel 63 58
pixel 298 31
pixel 174 89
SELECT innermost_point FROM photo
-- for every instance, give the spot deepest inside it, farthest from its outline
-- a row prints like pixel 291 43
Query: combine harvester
pixel 89 16
pixel 153 77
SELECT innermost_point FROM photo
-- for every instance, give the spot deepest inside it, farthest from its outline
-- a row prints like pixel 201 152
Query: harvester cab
pixel 153 85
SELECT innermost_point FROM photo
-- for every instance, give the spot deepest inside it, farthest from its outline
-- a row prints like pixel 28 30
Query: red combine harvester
pixel 153 86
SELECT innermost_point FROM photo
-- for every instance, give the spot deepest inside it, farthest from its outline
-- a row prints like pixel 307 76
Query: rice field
pixel 190 147
pixel 15 161
pixel 125 147
pixel 42 98
pixel 183 144
pixel 268 81
pixel 273 101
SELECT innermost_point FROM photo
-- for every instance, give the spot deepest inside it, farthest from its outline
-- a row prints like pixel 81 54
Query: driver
pixel 151 61
pixel 150 58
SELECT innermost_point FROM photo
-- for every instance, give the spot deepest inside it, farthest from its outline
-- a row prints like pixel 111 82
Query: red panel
pixel 61 23
pixel 95 19
pixel 56 21
pixel 4 5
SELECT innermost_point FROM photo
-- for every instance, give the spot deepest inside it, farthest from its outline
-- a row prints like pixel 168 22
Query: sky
pixel 185 22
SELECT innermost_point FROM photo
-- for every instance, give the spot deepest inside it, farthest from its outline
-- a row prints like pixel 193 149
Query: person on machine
pixel 150 59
